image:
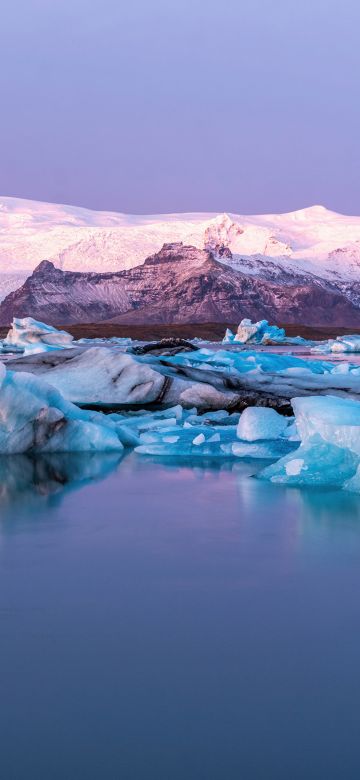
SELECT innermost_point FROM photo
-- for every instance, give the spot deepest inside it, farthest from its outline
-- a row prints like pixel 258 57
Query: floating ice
pixel 270 378
pixel 329 453
pixel 258 422
pixel 108 377
pixel 31 336
pixel 212 435
pixel 116 341
pixel 259 333
pixel 349 343
pixel 34 417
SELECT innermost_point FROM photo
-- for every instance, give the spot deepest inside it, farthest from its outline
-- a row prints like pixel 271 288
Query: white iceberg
pixel 31 336
pixel 350 343
pixel 106 377
pixel 258 422
pixel 34 417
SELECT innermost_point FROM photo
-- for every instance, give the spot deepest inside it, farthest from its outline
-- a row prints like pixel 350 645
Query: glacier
pixel 313 240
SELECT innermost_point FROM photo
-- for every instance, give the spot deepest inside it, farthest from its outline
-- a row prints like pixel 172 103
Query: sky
pixel 149 106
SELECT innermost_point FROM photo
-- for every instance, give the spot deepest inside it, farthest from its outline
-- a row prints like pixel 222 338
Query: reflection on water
pixel 25 477
pixel 175 620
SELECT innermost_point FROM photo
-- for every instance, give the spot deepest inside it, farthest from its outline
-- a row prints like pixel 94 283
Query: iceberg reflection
pixel 26 476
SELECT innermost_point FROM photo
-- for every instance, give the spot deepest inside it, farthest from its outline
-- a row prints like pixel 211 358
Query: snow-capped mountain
pixel 178 284
pixel 305 247
pixel 314 239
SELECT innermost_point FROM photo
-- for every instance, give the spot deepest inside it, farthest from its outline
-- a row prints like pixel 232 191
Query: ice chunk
pixel 33 336
pixel 316 463
pixel 102 376
pixel 349 343
pixel 116 341
pixel 229 336
pixel 34 417
pixel 329 454
pixel 99 376
pixel 258 422
pixel 264 449
pixel 199 439
pixel 206 440
pixel 336 420
pixel 268 374
pixel 259 333
pixel 191 441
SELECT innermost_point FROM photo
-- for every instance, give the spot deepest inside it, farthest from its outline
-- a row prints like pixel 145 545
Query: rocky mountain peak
pixel 44 267
pixel 177 252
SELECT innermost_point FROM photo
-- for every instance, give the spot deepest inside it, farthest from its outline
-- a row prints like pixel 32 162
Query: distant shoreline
pixel 213 331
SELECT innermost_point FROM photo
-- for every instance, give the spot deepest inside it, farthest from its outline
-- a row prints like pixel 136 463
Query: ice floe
pixel 350 343
pixel 205 379
pixel 34 417
pixel 202 403
pixel 103 377
pixel 30 336
pixel 329 451
pixel 268 379
pixel 259 333
pixel 261 423
pixel 220 435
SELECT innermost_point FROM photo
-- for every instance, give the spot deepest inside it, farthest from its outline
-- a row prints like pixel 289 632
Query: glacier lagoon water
pixel 175 621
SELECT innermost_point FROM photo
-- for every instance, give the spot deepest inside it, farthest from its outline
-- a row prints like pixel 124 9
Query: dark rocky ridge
pixel 178 284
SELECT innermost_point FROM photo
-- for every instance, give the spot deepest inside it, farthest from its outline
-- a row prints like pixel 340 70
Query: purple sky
pixel 173 105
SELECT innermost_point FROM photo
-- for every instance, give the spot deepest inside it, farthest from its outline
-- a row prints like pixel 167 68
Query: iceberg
pixel 268 379
pixel 116 341
pixel 259 333
pixel 329 451
pixel 103 377
pixel 31 336
pixel 349 343
pixel 34 417
pixel 258 422
pixel 204 379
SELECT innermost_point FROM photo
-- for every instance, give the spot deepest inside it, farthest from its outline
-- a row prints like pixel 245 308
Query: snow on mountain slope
pixel 311 241
pixel 178 284
pixel 11 281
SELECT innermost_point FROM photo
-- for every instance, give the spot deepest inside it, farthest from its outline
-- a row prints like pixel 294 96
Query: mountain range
pixel 66 264
pixel 178 284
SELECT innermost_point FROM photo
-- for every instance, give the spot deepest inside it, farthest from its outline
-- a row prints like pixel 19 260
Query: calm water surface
pixel 172 622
